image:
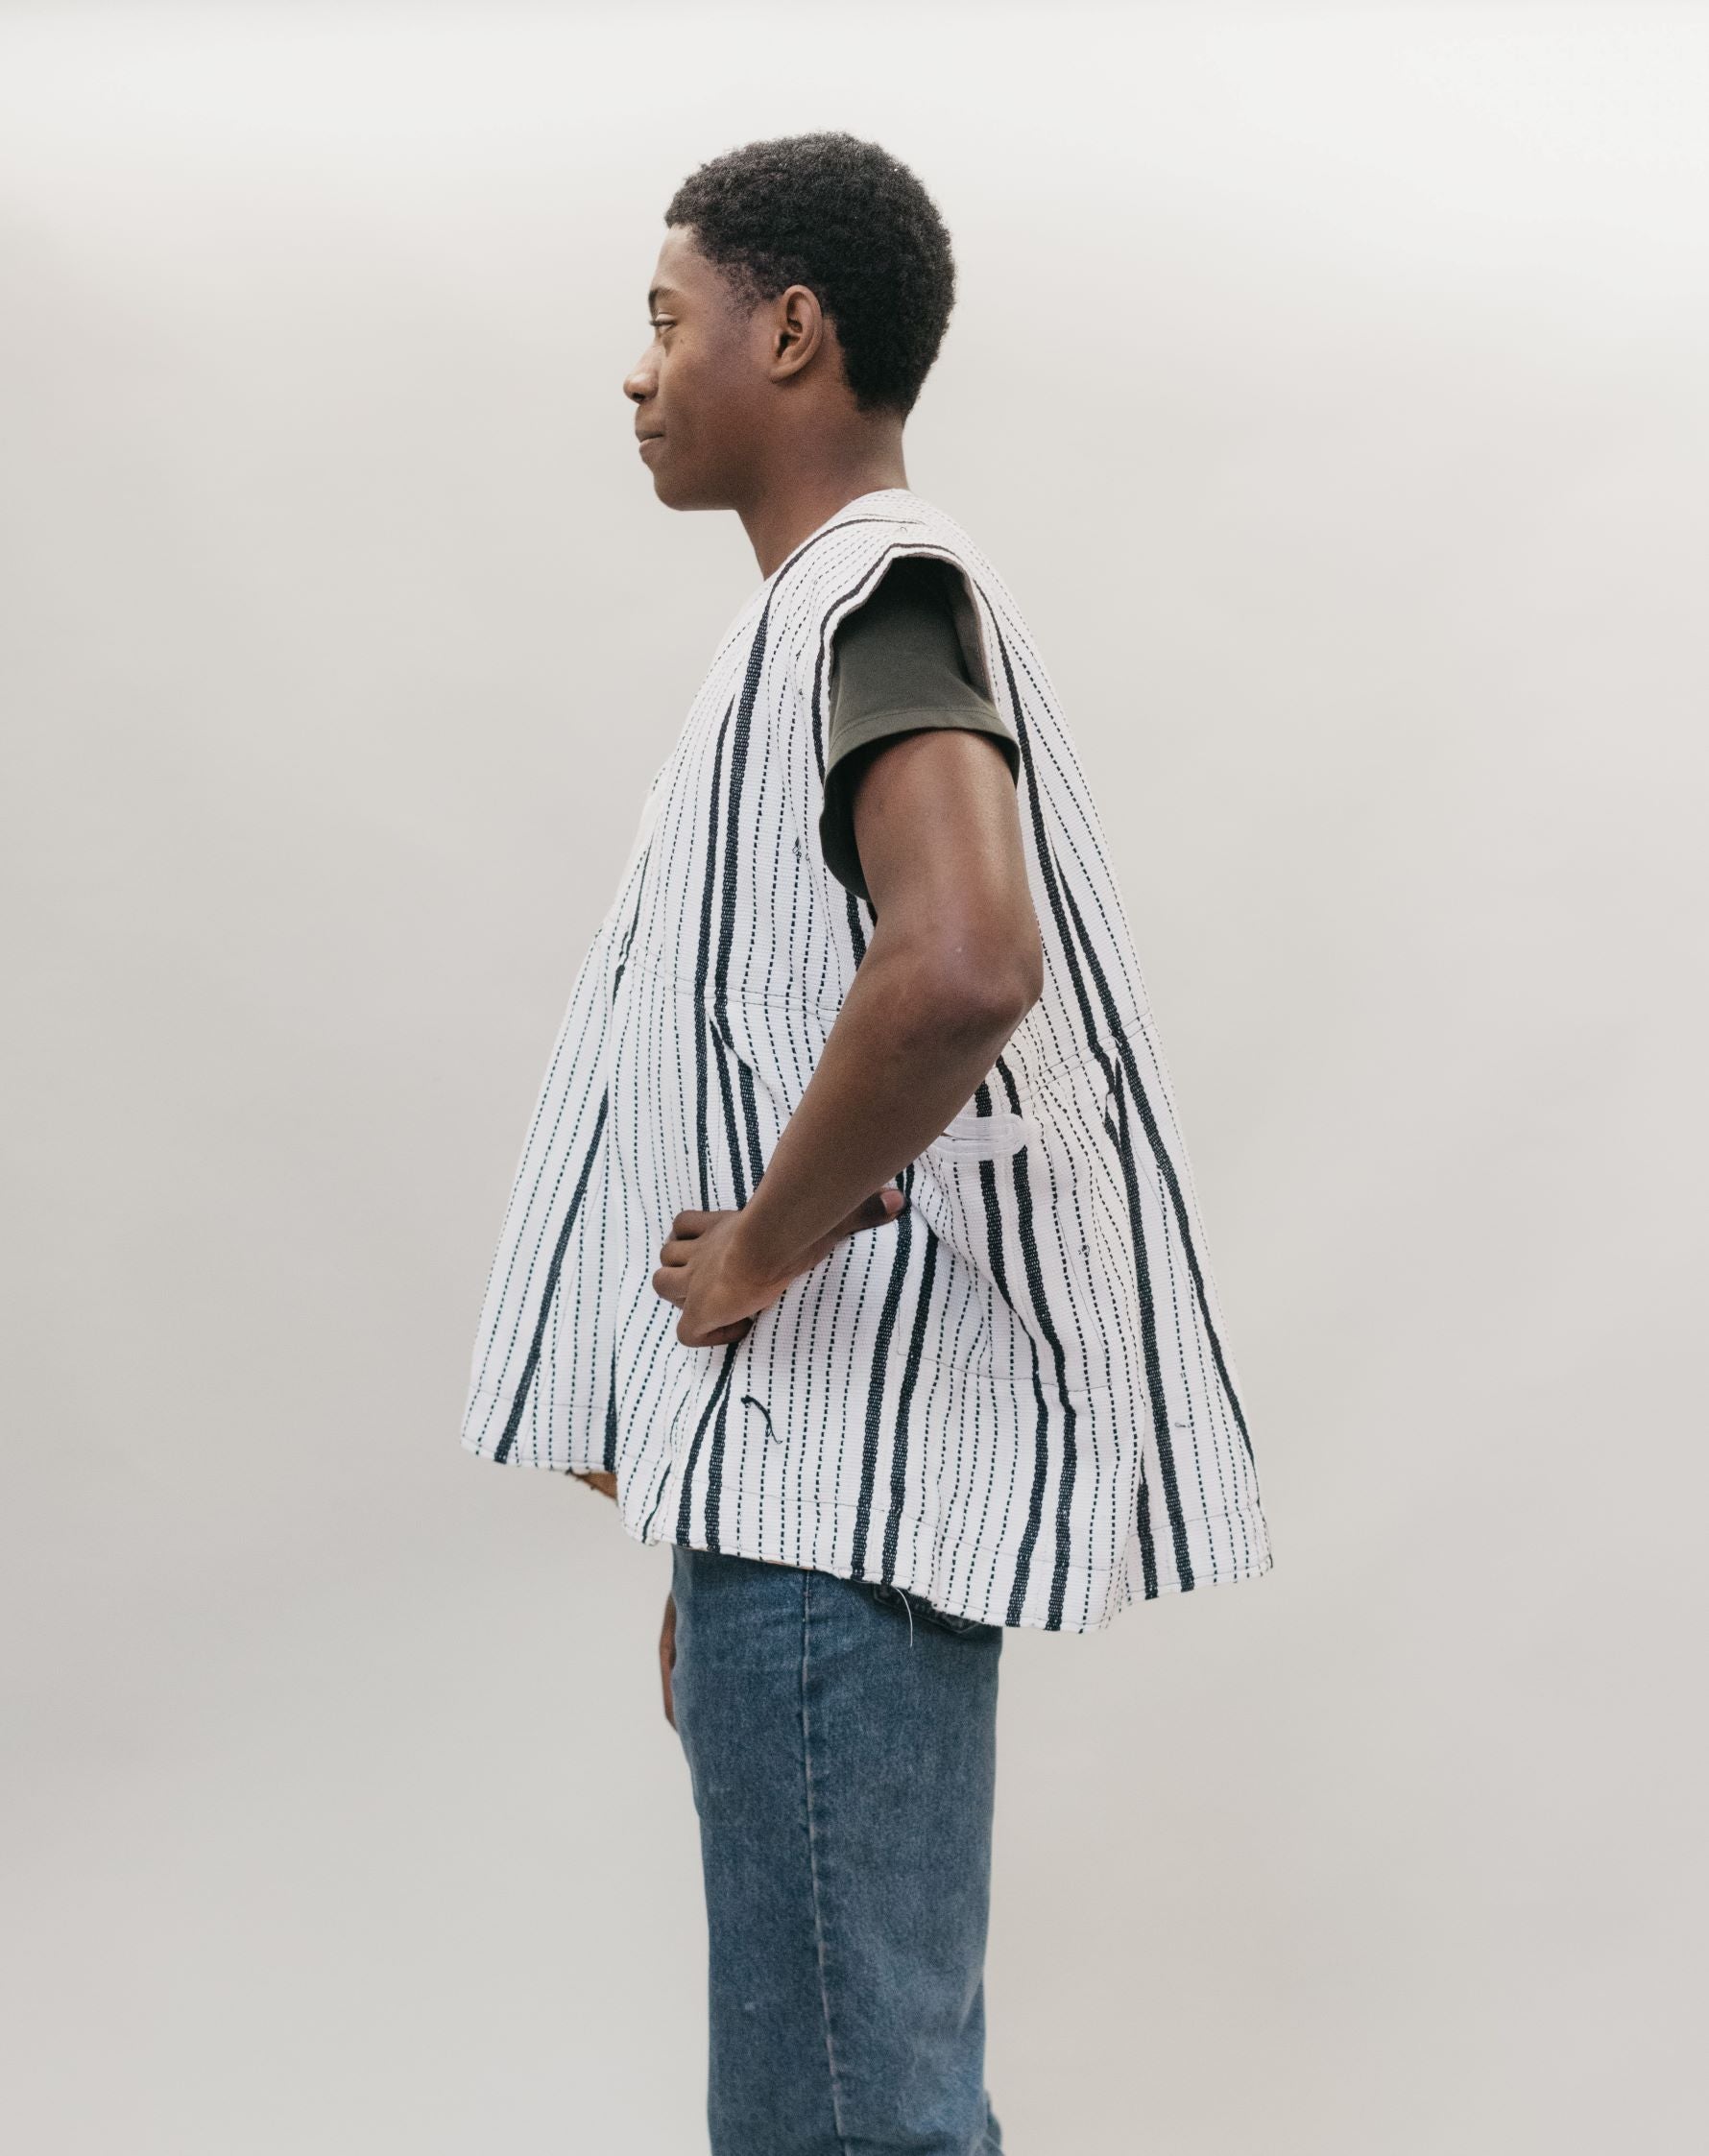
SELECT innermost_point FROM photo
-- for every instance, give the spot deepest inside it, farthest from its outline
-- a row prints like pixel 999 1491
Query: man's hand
pixel 606 1484
pixel 667 1656
pixel 704 1268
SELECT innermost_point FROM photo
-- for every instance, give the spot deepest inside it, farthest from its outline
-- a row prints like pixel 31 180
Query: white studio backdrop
pixel 1326 383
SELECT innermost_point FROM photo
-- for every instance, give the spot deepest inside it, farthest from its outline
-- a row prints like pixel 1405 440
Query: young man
pixel 853 1249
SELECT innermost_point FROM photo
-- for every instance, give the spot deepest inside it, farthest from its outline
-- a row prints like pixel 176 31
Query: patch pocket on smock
pixel 999 1191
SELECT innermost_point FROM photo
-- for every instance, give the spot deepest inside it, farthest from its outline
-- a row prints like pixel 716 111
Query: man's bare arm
pixel 953 965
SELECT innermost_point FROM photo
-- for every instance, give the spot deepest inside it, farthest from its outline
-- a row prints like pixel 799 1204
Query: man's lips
pixel 642 440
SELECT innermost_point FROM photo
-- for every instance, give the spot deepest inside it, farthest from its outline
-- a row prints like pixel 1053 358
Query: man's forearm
pixel 915 1035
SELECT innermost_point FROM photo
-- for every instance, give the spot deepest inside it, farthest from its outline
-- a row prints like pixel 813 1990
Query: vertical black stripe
pixel 729 881
pixel 1165 1448
pixel 609 1458
pixel 875 1391
pixel 899 1447
pixel 1147 1547
pixel 723 1041
pixel 738 766
pixel 702 955
pixel 641 885
pixel 715 1468
pixel 1035 1283
pixel 549 1292
pixel 714 1406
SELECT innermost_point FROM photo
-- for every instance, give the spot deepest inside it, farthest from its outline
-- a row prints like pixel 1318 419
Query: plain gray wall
pixel 1327 384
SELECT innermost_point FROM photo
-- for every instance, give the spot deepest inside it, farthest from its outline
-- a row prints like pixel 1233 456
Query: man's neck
pixel 785 510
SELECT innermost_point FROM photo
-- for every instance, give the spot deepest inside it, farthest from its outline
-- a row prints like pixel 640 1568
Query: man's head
pixel 801 292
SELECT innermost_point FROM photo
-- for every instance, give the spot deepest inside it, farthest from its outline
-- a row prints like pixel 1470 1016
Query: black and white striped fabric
pixel 1017 1399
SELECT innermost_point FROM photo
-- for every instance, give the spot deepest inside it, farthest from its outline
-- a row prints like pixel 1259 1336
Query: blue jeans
pixel 841 1741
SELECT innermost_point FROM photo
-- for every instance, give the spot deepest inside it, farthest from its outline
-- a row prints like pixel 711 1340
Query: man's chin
pixel 680 489
pixel 678 494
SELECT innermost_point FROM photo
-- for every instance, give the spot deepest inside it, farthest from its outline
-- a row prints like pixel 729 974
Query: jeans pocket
pixel 962 1624
pixel 946 1621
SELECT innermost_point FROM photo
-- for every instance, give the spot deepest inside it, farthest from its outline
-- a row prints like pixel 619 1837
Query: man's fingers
pixel 678 1246
pixel 687 1225
pixel 676 1256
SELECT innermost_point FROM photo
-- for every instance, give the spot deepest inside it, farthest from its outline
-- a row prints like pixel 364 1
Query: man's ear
pixel 798 331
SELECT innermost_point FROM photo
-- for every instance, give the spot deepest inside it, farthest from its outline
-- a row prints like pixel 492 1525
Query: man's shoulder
pixel 834 573
pixel 874 531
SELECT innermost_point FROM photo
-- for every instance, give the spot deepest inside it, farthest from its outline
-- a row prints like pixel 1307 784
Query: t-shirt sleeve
pixel 897 666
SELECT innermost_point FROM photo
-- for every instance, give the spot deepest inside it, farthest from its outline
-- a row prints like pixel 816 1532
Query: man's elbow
pixel 984 984
pixel 1018 977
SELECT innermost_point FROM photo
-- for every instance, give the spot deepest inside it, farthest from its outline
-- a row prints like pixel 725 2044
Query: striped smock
pixel 1017 1400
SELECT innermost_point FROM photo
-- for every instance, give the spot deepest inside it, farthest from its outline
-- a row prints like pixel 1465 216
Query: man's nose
pixel 638 383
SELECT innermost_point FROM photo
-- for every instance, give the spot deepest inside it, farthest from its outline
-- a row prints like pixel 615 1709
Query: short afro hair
pixel 850 221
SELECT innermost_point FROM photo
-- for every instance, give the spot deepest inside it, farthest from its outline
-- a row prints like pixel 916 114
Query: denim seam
pixel 807 1760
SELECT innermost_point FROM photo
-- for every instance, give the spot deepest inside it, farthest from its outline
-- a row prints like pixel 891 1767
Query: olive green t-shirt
pixel 898 665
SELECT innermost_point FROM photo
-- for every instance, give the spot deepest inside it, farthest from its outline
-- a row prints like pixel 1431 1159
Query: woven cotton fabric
pixel 1018 1400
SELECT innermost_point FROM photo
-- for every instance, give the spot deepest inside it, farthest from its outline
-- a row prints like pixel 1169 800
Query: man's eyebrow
pixel 660 292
